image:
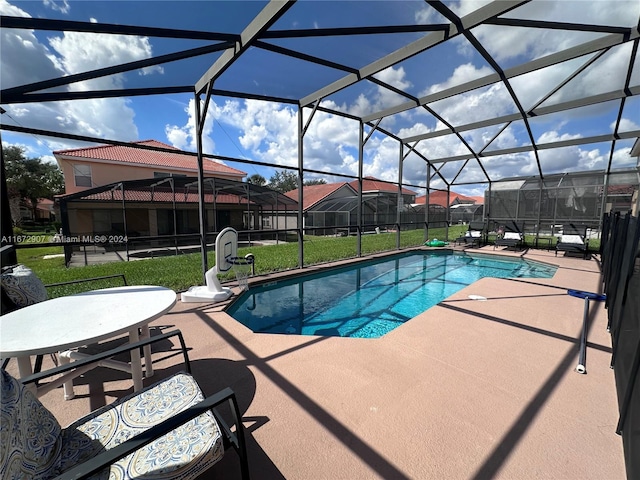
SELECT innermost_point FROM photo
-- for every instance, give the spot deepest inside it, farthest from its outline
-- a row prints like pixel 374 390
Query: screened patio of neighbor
pixel 160 216
pixel 532 105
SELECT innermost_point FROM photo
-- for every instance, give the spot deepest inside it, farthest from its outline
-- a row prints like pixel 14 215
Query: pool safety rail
pixel 621 284
pixel 597 297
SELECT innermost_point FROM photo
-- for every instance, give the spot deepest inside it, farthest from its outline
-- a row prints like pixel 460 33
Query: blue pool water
pixel 372 298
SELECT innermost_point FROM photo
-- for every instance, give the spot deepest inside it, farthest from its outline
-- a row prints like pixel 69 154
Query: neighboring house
pixel 439 197
pixel 335 205
pixel 373 186
pixel 329 204
pixel 88 208
pixel 85 168
pixel 462 209
pixel 45 210
pixel 21 209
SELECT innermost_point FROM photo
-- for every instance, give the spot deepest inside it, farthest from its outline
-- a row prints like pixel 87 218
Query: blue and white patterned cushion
pixel 23 286
pixel 30 436
pixel 34 447
pixel 182 454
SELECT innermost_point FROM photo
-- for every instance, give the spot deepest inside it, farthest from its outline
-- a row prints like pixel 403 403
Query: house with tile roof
pixel 89 167
pixel 163 209
pixel 314 194
pixel 439 197
pixel 462 208
pixel 335 205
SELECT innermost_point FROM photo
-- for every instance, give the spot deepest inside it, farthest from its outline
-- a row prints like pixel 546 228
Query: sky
pixel 267 131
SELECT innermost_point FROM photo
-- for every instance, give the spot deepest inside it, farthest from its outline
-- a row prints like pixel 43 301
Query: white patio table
pixel 65 323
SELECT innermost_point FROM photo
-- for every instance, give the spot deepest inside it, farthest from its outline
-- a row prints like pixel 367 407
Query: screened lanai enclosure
pixel 533 105
pixel 538 116
pixel 544 205
pixel 544 130
pixel 155 217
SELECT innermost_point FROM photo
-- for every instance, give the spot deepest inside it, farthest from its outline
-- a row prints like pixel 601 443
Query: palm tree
pixel 257 179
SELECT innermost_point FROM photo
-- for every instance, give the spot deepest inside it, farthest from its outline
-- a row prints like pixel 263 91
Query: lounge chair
pixel 474 236
pixel 574 240
pixel 165 431
pixel 512 236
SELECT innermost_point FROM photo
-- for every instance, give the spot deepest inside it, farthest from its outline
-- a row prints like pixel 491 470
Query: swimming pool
pixel 369 299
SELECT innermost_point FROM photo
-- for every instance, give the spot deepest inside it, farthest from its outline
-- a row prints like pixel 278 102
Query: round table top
pixel 76 320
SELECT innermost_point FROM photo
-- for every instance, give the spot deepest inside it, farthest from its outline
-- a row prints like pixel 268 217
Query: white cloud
pixel 461 74
pixel 601 77
pixel 184 137
pixel 465 7
pixel 378 98
pixel 622 158
pixel 79 52
pixel 60 6
pixel 510 42
pixel 477 105
pixel 425 15
pixel 268 133
pixel 26 60
pixel 626 125
pixel 552 136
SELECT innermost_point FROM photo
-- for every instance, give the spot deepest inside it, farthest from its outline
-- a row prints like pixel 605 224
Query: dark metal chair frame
pixel 582 248
pixel 512 227
pixel 231 438
pixel 474 241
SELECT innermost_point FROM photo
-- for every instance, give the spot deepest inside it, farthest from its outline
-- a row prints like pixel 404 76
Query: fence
pixel 621 278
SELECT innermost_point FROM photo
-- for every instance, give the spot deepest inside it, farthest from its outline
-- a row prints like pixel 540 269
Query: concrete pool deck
pixel 467 390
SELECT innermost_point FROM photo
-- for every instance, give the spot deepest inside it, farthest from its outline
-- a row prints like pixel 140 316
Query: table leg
pixel 69 393
pixel 148 365
pixel 24 370
pixel 136 364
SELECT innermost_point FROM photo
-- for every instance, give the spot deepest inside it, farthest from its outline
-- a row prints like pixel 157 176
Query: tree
pixel 284 181
pixel 30 178
pixel 317 181
pixel 257 179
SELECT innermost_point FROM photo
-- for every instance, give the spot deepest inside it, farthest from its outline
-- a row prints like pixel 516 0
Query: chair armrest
pixel 71 282
pixel 109 457
pixel 111 353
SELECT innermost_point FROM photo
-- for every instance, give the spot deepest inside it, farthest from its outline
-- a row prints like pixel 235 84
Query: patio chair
pixel 166 431
pixel 512 236
pixel 574 240
pixel 474 236
pixel 20 287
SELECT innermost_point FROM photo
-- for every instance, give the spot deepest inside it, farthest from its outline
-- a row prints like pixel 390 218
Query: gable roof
pixel 372 184
pixel 316 193
pixel 439 197
pixel 140 157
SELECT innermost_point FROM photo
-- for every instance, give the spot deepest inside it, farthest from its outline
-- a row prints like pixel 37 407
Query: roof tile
pixel 132 155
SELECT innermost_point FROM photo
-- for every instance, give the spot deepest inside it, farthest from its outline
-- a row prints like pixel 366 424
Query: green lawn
pixel 182 271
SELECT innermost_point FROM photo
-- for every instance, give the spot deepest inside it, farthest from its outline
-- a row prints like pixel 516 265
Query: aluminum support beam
pixel 261 22
pixel 301 131
pixel 537 64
